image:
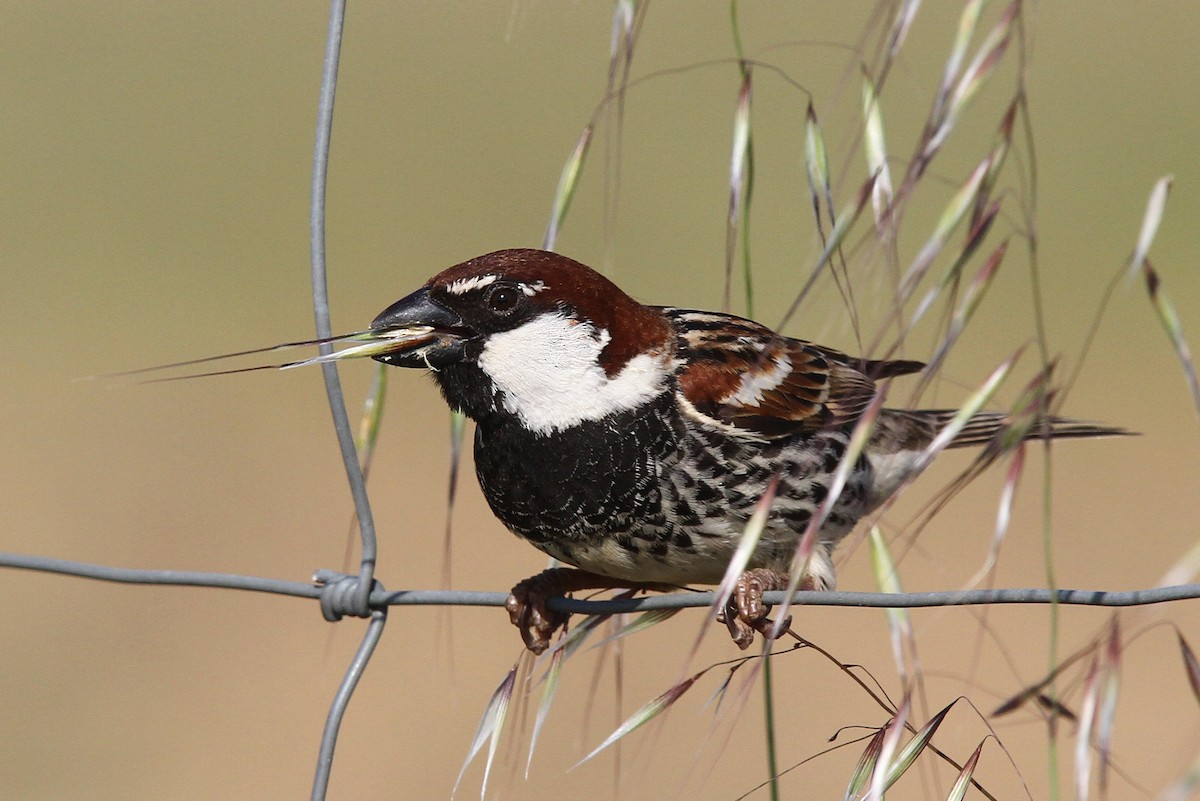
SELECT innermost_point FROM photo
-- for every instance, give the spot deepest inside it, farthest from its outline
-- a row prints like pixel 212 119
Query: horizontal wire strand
pixel 680 600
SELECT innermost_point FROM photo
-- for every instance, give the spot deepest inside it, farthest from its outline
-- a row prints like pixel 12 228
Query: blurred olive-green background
pixel 155 162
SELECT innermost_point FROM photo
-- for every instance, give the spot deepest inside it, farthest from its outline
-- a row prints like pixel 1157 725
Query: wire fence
pixel 333 590
pixel 340 595
pixel 360 595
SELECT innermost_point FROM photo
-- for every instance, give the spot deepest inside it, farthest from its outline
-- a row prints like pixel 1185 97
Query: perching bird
pixel 634 441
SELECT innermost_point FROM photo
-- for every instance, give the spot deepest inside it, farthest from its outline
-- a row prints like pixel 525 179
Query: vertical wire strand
pixel 333 386
pixel 337 407
pixel 337 710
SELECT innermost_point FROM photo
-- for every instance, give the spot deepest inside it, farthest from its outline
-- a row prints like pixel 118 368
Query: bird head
pixel 536 336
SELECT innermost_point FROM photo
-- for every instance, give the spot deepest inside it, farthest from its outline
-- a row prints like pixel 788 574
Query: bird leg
pixel 745 612
pixel 527 608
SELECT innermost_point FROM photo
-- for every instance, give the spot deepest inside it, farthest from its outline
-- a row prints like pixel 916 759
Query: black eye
pixel 503 298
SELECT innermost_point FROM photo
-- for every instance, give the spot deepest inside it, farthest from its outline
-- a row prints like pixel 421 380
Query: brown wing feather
pixel 747 376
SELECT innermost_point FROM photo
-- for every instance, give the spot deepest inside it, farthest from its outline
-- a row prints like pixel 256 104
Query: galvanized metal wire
pixel 353 594
pixel 327 583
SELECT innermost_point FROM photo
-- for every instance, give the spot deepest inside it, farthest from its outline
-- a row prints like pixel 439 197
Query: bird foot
pixel 745 612
pixel 537 623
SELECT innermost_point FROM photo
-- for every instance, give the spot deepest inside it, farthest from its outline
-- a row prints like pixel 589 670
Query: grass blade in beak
pixel 375 343
pixel 234 355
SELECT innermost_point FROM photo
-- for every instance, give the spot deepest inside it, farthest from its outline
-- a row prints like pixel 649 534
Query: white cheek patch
pixel 549 375
pixel 755 382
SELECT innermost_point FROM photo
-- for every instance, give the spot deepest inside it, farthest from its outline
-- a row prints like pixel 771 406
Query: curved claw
pixel 739 630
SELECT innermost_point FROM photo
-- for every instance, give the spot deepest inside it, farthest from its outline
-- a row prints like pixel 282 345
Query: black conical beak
pixel 415 310
pixel 419 310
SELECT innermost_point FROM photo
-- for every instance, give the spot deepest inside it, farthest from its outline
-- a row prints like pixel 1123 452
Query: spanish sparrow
pixel 634 441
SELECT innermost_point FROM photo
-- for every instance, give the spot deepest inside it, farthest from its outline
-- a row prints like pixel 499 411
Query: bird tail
pixel 901 436
pixel 987 427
